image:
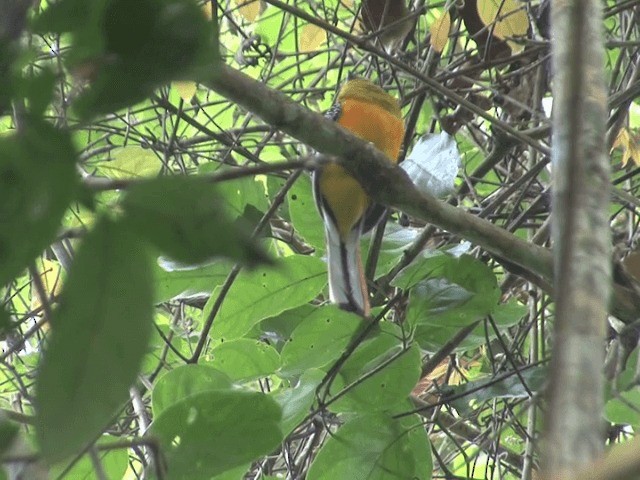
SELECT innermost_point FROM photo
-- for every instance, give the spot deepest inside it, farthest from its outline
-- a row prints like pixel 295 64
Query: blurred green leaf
pixel 241 193
pixel 130 48
pixel 37 183
pixel 98 339
pixel 8 432
pixel 186 380
pixel 244 360
pixel 114 463
pixel 131 162
pixel 375 447
pixel 183 218
pixel 266 292
pixel 625 408
pixel 5 322
pixel 210 432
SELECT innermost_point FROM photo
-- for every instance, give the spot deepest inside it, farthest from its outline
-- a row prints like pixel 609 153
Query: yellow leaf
pixel 249 9
pixel 50 275
pixel 311 37
pixel 507 19
pixel 185 89
pixel 131 162
pixel 207 8
pixel 440 32
pixel 630 145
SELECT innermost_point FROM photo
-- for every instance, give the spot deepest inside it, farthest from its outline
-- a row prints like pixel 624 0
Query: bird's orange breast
pixel 343 194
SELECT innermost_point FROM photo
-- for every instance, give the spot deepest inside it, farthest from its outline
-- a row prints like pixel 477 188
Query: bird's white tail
pixel 347 286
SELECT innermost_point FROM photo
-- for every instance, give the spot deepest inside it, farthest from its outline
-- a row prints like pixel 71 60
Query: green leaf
pixel 304 214
pixel 131 162
pixel 266 292
pixel 624 409
pixel 386 387
pixel 173 280
pixel 8 432
pixel 245 360
pixel 296 402
pixel 375 447
pixel 114 463
pixel 183 381
pixel 98 339
pixel 182 217
pixel 394 243
pixel 241 193
pixel 210 432
pixel 447 293
pixel 131 49
pixel 321 338
pixel 37 183
pixel 278 329
pixel 5 321
pixel 38 90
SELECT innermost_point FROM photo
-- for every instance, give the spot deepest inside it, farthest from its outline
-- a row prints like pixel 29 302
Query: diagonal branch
pixel 387 184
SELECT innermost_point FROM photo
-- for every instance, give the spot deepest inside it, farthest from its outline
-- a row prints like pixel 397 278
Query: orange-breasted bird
pixel 373 115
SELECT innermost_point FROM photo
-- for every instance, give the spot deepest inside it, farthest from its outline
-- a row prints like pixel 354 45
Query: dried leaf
pixel 249 10
pixel 507 18
pixel 311 37
pixel 440 32
pixel 630 145
pixel 185 89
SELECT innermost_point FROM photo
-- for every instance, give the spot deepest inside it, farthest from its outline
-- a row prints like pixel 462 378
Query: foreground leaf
pixel 184 218
pixel 210 432
pixel 128 49
pixel 37 183
pixel 98 339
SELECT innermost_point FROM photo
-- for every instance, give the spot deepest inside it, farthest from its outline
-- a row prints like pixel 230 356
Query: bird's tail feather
pixel 347 286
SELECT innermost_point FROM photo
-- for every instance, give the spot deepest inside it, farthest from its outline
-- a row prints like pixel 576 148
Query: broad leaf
pixel 266 292
pixel 321 338
pixel 210 432
pixel 447 293
pixel 184 218
pixel 37 183
pixel 98 339
pixel 184 381
pixel 375 447
pixel 392 371
pixel 296 402
pixel 130 49
pixel 114 463
pixel 181 281
pixel 244 359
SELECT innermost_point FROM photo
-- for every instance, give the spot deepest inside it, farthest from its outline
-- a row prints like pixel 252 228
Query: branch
pixel 582 237
pixel 388 184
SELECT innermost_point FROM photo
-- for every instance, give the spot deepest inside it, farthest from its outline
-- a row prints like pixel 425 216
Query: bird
pixel 369 112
